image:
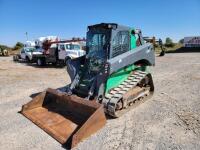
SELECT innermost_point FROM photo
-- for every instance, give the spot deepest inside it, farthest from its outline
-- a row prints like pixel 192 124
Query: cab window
pixel 22 51
pixel 120 43
pixel 67 46
pixel 75 47
pixel 62 47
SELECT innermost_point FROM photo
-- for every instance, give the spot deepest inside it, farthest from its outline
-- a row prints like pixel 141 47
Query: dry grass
pixel 169 49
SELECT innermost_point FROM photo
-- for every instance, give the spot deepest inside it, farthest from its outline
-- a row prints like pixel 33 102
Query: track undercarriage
pixel 135 90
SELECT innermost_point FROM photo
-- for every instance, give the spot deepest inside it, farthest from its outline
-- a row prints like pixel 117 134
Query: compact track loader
pixel 111 78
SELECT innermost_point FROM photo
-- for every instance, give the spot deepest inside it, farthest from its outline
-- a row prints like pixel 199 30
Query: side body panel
pixel 143 53
pixel 118 77
pixel 122 65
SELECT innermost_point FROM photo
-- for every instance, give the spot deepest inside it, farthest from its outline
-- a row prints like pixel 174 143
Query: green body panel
pixel 118 77
pixel 133 40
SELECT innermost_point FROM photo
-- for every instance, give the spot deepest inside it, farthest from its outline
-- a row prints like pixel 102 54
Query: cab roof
pixel 108 26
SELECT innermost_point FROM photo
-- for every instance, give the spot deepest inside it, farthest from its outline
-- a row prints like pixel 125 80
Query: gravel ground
pixel 169 120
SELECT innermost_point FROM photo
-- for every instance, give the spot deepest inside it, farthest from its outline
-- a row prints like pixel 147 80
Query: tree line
pixel 168 43
pixel 17 46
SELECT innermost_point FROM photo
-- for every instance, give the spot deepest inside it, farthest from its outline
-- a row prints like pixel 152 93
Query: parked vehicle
pixel 27 53
pixel 57 52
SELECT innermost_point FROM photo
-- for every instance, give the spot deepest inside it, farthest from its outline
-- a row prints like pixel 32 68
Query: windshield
pixel 73 46
pixel 97 43
pixel 30 49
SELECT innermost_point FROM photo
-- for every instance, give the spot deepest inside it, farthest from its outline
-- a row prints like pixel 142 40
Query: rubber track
pixel 117 93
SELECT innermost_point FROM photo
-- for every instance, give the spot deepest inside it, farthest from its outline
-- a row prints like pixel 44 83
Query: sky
pixel 70 18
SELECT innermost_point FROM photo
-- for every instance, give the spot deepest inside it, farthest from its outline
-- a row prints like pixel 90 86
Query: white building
pixel 193 41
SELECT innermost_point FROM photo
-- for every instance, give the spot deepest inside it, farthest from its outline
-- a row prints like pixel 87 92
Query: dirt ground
pixel 169 120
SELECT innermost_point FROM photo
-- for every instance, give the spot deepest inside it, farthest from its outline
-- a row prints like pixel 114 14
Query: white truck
pixel 26 54
pixel 70 50
pixel 58 53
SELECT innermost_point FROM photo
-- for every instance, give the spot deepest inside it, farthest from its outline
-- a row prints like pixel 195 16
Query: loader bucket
pixel 68 119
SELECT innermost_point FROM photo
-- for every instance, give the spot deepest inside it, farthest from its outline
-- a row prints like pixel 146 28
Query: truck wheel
pixel 15 58
pixel 40 61
pixel 54 63
pixel 27 59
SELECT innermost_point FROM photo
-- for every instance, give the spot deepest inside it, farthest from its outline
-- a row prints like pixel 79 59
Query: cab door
pixel 61 51
pixel 23 55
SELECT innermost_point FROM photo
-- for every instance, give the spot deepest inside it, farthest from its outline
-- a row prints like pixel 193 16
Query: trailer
pixel 193 41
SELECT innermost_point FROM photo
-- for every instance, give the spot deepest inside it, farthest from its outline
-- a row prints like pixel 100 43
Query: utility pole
pixel 26 36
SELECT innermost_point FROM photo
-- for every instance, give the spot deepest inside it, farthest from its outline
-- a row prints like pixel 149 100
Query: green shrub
pixel 169 42
pixel 4 47
pixel 18 46
pixel 181 41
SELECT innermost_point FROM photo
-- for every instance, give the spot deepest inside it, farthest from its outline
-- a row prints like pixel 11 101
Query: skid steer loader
pixel 111 78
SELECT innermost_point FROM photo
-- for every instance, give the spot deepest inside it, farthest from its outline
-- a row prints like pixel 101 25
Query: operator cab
pixel 108 40
pixel 104 42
